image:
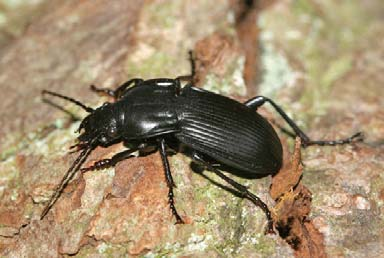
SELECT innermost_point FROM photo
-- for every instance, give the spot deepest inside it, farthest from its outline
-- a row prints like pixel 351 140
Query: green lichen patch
pixel 232 83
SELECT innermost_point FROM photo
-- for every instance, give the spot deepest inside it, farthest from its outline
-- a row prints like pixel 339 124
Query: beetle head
pixel 101 126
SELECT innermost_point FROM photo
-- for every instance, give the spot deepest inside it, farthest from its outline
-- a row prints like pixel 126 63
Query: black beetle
pixel 149 114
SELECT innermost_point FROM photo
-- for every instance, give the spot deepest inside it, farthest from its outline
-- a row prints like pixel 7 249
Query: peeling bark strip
pixel 213 55
pixel 246 16
pixel 246 13
pixel 293 205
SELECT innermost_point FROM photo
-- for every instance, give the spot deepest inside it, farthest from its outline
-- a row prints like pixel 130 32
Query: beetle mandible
pixel 218 130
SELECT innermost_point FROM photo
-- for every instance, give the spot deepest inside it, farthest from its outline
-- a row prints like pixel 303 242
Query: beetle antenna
pixel 67 177
pixel 78 103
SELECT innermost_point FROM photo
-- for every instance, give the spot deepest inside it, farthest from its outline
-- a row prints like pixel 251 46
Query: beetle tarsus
pixel 242 190
pixel 170 182
pixel 357 137
pixel 171 203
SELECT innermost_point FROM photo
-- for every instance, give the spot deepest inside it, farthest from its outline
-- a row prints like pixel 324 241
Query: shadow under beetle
pixel 148 114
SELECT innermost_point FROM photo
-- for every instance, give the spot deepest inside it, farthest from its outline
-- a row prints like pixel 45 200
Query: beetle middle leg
pixel 256 102
pixel 170 181
pixel 243 191
pixel 190 77
pixel 117 93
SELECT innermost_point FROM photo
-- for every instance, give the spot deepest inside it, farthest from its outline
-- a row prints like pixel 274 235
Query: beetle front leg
pixel 258 101
pixel 239 187
pixel 116 94
pixel 170 182
pixel 106 163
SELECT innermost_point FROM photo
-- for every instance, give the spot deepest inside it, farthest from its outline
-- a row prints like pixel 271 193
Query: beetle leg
pixel 116 94
pixel 258 101
pixel 170 182
pixel 102 91
pixel 239 187
pixel 192 61
pixel 190 77
pixel 106 163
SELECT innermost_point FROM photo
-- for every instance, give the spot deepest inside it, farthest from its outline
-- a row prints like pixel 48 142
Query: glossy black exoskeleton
pixel 218 130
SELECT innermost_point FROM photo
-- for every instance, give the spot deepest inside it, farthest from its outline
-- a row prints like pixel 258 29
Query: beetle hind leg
pixel 256 102
pixel 170 182
pixel 243 191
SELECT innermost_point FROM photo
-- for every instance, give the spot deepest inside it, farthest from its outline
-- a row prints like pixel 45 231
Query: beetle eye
pixel 112 131
pixel 103 139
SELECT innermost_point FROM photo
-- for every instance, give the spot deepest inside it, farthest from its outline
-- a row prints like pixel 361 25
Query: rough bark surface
pixel 323 66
